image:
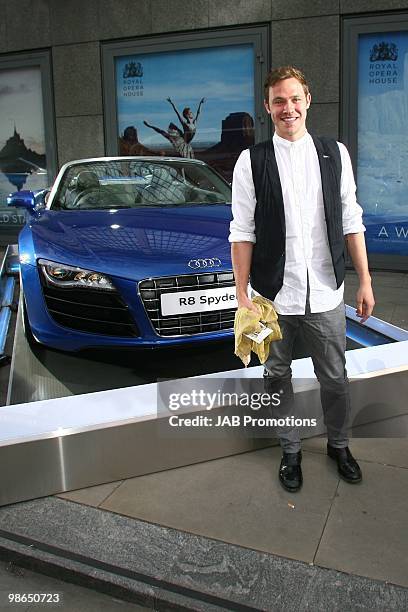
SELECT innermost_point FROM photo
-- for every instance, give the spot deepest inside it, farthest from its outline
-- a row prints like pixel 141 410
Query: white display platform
pixel 68 415
pixel 73 442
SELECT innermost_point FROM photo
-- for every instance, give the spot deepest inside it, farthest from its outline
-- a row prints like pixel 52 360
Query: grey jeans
pixel 325 337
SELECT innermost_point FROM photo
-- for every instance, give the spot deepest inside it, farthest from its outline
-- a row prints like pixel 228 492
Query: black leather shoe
pixel 347 466
pixel 290 472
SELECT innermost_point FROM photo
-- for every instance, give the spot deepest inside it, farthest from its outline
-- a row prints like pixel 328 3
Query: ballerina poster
pixel 196 103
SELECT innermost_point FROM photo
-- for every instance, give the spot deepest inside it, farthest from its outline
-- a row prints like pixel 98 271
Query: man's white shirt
pixel 307 246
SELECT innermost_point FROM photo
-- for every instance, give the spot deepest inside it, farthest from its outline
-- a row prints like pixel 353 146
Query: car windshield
pixel 134 183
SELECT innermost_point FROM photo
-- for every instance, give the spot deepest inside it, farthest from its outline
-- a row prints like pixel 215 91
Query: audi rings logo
pixel 209 262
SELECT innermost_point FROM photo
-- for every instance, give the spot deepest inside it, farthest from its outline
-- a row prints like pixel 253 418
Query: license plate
pixel 203 300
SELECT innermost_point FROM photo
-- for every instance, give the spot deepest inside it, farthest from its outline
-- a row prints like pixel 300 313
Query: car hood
pixel 134 243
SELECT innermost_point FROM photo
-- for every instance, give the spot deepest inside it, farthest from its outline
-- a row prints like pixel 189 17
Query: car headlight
pixel 61 275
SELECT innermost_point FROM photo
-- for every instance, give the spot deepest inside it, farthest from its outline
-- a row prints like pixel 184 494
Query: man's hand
pixel 245 302
pixel 364 298
pixel 241 254
pixel 365 301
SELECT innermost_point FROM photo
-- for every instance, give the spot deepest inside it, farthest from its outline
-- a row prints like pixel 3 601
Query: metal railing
pixel 9 270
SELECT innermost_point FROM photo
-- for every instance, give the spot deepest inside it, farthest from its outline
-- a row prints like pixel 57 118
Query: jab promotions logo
pixel 132 79
pixel 383 69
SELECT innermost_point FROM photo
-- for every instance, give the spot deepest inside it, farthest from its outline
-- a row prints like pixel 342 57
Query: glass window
pixel 199 96
pixel 382 162
pixel 27 158
pixel 374 119
pixel 134 183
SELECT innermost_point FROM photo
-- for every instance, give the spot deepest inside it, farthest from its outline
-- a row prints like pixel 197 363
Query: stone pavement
pixel 16 580
pixel 357 529
pixel 165 568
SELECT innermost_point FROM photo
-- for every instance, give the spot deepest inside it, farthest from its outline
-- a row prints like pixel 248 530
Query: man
pixel 294 206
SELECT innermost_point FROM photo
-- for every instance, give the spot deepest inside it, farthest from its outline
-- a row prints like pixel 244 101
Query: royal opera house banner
pixel 197 103
pixel 382 160
pixel 192 98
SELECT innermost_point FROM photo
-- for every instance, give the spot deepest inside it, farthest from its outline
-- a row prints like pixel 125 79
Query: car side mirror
pixel 41 198
pixel 22 199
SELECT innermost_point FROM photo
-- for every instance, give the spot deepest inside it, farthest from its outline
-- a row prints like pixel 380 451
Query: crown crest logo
pixel 384 52
pixel 132 69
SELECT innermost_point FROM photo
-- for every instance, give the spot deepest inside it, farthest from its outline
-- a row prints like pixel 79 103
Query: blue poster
pixel 196 103
pixel 382 169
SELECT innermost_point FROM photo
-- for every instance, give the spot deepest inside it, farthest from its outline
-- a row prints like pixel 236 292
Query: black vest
pixel 268 257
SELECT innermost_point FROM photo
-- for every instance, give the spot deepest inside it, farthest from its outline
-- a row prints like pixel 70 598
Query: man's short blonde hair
pixel 282 73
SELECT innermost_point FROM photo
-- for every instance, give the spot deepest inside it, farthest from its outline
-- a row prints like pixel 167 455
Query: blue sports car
pixel 127 251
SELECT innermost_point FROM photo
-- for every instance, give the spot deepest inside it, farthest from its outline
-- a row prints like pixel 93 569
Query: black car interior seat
pixel 86 183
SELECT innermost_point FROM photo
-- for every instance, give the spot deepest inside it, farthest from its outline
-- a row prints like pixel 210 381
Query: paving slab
pixel 351 278
pixel 236 499
pixel 91 496
pixel 400 315
pixel 384 451
pixel 389 279
pixel 391 294
pixel 388 290
pixel 381 278
pixel 366 532
pixel 390 428
pixel 382 310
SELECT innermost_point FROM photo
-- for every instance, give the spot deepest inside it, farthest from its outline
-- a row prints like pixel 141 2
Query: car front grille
pixel 90 311
pixel 186 324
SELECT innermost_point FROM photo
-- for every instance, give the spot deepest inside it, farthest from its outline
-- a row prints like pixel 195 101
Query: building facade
pixel 75 43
